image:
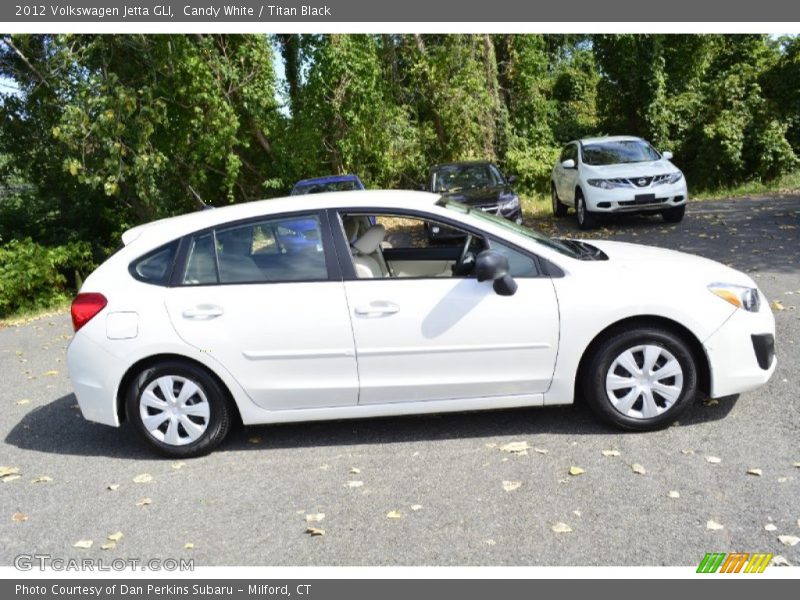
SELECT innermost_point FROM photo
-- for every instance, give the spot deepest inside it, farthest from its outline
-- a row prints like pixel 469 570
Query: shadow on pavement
pixel 58 427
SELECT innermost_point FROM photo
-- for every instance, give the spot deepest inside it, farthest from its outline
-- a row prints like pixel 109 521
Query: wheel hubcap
pixel 174 410
pixel 644 382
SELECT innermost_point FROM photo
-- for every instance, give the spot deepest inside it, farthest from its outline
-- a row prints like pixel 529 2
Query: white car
pixel 619 174
pixel 225 315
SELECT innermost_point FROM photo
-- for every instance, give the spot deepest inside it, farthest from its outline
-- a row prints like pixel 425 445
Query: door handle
pixel 203 312
pixel 377 309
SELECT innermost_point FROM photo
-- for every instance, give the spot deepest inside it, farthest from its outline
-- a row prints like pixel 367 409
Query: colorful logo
pixel 735 562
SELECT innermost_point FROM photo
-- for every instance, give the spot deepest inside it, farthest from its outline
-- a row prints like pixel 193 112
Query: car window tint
pixel 155 267
pixel 201 266
pixel 497 176
pixel 410 232
pixel 520 264
pixel 287 249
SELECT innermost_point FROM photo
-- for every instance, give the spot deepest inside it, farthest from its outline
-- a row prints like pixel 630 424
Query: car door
pixel 271 310
pixel 439 338
pixel 568 177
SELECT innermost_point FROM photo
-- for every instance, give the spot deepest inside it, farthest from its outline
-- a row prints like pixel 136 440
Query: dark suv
pixel 476 183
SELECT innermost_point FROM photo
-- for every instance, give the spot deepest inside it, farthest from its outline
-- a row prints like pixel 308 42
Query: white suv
pixel 613 175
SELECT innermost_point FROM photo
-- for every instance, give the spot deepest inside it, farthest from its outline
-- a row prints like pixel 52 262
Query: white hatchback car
pixel 339 307
pixel 615 175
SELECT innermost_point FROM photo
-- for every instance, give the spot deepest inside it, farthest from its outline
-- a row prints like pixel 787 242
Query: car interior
pixel 395 246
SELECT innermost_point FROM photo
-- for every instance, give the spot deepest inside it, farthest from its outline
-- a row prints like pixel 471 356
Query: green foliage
pixel 33 276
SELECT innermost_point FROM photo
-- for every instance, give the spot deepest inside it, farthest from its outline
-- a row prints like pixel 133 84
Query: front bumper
pixel 741 353
pixel 621 200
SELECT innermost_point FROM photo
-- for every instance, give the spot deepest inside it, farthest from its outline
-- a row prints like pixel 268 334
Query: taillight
pixel 85 307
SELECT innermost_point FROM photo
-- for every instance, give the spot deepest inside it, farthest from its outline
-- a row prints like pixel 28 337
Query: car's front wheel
pixel 586 218
pixel 559 209
pixel 179 409
pixel 674 214
pixel 640 379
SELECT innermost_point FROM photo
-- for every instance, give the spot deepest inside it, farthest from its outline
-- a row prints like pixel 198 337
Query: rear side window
pixel 155 267
pixel 268 251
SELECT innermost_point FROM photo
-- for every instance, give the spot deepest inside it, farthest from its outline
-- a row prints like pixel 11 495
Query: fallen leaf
pixel 109 546
pixel 42 479
pixel 490 542
pixel 610 453
pixel 8 478
pixel 674 494
pixel 50 373
pixel 783 479
pixel 638 469
pixel 789 540
pixel 687 451
pixel 714 460
pixel 355 471
pixel 710 402
pixel 355 484
pixel 797 465
pixel 19 517
pixel 6 471
pixel 541 450
pixel 561 528
pixel 84 544
pixel 254 439
pixel 714 526
pixel 520 448
pixel 510 486
pixel 143 478
pixel 178 465
pixel 575 471
pixel 115 537
pixel 188 546
pixel 314 531
pixel 324 467
pixel 756 472
pixel 113 487
pixel 315 518
pixel 23 402
pixel 777 306
pixel 577 513
pixel 395 514
pixel 780 561
pixel 416 507
pixel 771 527
pixel 144 502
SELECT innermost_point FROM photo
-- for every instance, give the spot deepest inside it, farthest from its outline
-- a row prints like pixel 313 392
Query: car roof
pixel 328 179
pixel 175 227
pixel 610 138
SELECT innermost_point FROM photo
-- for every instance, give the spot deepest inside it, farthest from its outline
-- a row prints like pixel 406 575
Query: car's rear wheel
pixel 586 218
pixel 640 379
pixel 559 209
pixel 179 409
pixel 674 214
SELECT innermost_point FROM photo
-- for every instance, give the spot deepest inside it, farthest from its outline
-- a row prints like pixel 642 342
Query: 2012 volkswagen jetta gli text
pixel 210 317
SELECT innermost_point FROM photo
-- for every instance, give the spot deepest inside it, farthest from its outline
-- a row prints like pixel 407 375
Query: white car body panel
pixel 482 351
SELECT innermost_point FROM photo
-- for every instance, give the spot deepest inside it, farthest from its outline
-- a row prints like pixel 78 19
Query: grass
pixel 785 185
pixel 34 314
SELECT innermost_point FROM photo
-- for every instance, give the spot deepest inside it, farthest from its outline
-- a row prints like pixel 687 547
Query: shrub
pixel 34 277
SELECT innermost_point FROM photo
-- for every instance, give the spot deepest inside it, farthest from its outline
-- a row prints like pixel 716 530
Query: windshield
pixel 454 178
pixel 556 245
pixel 616 153
pixel 331 186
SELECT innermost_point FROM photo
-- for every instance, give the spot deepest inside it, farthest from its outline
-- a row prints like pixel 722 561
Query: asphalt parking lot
pixel 457 497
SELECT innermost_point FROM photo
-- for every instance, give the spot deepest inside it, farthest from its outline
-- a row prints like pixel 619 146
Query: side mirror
pixel 568 164
pixel 666 155
pixel 490 265
pixel 511 179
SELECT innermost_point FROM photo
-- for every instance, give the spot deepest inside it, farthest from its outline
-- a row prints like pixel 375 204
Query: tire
pixel 200 421
pixel 674 214
pixel 586 219
pixel 559 209
pixel 606 376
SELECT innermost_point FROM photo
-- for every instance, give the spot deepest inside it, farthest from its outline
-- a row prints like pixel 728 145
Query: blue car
pixel 330 183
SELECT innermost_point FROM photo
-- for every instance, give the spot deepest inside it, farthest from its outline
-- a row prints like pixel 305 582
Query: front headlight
pixel 738 295
pixel 509 203
pixel 675 177
pixel 609 184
